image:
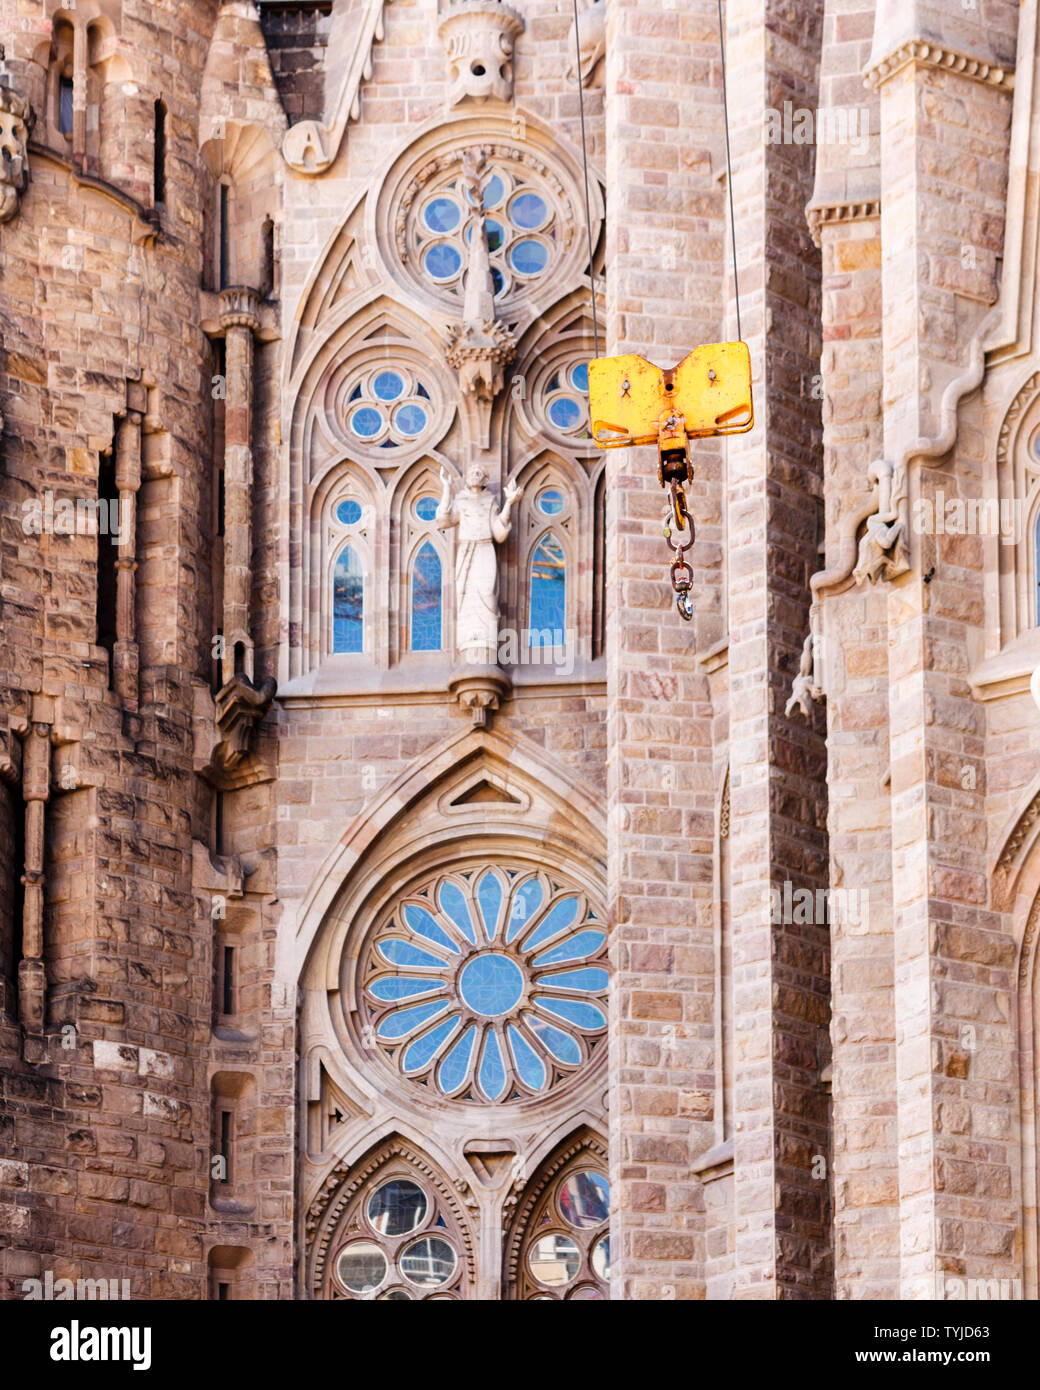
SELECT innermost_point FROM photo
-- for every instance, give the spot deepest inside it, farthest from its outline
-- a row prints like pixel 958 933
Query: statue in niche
pixel 475 512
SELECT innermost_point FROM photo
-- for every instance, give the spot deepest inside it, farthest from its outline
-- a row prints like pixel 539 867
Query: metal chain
pixel 680 571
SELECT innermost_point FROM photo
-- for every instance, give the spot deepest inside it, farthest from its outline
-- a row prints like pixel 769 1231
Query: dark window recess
pixel 65 117
pixel 225 1144
pixel 159 155
pixel 218 822
pixel 223 271
pixel 224 1292
pixel 267 259
pixel 599 569
pixel 107 554
pixel 228 981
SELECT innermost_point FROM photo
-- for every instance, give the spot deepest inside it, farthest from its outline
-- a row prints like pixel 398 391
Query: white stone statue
pixel 475 512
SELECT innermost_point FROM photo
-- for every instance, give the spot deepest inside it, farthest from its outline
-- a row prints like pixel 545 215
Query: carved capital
pixel 478 37
pixel 240 308
pixel 940 56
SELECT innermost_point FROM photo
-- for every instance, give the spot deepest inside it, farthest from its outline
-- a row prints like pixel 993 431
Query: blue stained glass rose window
pixel 426 600
pixel 566 413
pixel 426 508
pixel 528 257
pixel 348 512
pixel 500 992
pixel 442 215
pixel 550 501
pixel 388 385
pixel 442 260
pixel 366 422
pixel 580 378
pixel 348 601
pixel 410 420
pixel 528 211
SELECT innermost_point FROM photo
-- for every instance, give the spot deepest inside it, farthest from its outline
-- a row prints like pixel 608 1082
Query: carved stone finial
pixel 478 37
pixel 17 119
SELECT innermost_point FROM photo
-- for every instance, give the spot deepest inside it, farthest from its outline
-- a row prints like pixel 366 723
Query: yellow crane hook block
pixel 632 401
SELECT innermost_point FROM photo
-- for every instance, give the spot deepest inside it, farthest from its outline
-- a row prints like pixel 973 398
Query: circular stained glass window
pixel 348 512
pixel 397 1208
pixel 366 422
pixel 579 375
pixel 601 1258
pixel 554 1260
pixel 550 501
pixel 528 257
pixel 362 1266
pixel 493 193
pixel 495 234
pixel 487 984
pixel 395 1296
pixel 410 420
pixel 442 215
pixel 428 1262
pixel 426 508
pixel 529 211
pixel 442 261
pixel 497 280
pixel 584 1200
pixel 565 413
pixel 388 386
pixel 586 1294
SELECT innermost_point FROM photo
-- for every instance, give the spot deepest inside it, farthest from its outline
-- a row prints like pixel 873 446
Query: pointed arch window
pixel 427 600
pixel 548 593
pixel 348 602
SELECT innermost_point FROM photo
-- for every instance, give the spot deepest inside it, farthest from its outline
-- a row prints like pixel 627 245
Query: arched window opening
pixel 348 602
pixel 548 594
pixel 65 116
pixel 427 601
pixel 565 1252
pixel 159 155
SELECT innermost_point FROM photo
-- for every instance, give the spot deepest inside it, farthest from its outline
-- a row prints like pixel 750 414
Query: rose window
pixel 487 985
pixel 386 407
pixel 565 400
pixel 521 225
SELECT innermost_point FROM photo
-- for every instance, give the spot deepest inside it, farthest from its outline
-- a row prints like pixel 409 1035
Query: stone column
pixel 79 94
pixel 36 779
pixel 128 481
pixel 240 320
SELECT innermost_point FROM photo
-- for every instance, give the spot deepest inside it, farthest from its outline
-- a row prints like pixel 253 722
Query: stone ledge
pixel 820 215
pixel 1009 672
pixel 943 59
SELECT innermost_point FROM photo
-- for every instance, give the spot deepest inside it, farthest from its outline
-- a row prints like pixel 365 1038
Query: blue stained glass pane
pixel 526 903
pixel 426 508
pixel 565 413
pixel 529 1066
pixel 410 419
pixel 572 1011
pixel 404 953
pixel 548 594
pixel 550 501
pixel 528 211
pixel 496 279
pixel 355 395
pixel 592 977
pixel 453 903
pixel 586 943
pixel 489 896
pixel 494 193
pixel 404 1021
pixel 426 600
pixel 348 602
pixel 442 260
pixel 528 256
pixel 562 1046
pixel 424 1049
pixel 561 915
pixel 401 987
pixel 580 378
pixel 348 512
pixel 491 985
pixel 420 390
pixel 442 215
pixel 366 422
pixel 388 386
pixel 492 1075
pixel 455 1065
pixel 420 921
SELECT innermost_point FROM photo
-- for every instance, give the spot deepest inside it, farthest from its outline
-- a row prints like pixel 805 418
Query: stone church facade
pixel 398 899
